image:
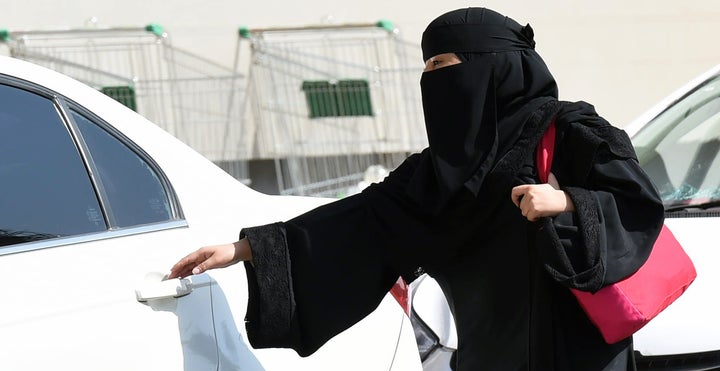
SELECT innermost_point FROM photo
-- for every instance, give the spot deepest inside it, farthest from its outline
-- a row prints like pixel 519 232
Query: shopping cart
pixel 331 103
pixel 195 99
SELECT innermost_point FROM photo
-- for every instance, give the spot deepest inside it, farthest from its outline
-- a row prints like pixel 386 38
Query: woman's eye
pixel 441 61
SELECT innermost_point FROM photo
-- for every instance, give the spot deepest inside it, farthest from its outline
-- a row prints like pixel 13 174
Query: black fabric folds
pixel 272 297
pixel 475 110
pixel 476 30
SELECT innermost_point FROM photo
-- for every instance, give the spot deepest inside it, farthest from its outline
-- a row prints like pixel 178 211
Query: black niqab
pixel 475 110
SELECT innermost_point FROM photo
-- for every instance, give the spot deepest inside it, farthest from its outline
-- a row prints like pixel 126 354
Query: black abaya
pixel 507 279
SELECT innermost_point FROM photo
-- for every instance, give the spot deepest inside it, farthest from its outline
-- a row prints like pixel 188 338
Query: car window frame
pixel 175 210
pixel 64 106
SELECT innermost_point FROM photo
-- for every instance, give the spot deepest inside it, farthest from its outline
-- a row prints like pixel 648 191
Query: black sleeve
pixel 618 215
pixel 316 275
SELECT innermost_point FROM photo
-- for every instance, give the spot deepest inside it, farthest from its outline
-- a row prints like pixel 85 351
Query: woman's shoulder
pixel 581 127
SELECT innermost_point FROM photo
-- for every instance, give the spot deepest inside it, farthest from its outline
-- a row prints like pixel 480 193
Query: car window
pixel 45 190
pixel 134 192
pixel 680 148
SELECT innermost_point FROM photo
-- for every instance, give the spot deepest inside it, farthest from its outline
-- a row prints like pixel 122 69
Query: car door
pixel 86 220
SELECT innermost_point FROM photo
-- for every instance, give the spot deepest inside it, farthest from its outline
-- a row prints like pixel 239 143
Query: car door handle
pixel 157 286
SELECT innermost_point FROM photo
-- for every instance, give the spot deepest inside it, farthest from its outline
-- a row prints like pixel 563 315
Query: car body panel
pixel 63 308
pixel 424 294
pixel 690 324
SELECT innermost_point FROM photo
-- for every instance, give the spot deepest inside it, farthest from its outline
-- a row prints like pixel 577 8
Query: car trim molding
pixel 103 235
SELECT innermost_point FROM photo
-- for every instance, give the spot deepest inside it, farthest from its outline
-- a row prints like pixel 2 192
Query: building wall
pixel 622 56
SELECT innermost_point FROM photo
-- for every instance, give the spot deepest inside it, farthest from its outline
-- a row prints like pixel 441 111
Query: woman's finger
pixel 518 192
pixel 207 264
pixel 185 266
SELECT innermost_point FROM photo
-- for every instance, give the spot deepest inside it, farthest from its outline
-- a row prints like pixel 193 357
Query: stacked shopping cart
pixel 316 110
pixel 330 102
pixel 195 99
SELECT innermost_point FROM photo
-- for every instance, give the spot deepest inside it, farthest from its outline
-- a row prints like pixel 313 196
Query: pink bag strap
pixel 544 153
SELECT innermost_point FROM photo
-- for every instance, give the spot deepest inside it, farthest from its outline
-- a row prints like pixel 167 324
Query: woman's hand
pixel 540 200
pixel 211 257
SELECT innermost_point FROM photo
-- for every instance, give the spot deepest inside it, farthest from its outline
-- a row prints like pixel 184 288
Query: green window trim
pixel 341 99
pixel 122 94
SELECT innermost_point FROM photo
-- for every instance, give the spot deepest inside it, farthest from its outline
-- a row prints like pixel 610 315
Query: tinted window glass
pixel 135 194
pixel 45 190
pixel 680 149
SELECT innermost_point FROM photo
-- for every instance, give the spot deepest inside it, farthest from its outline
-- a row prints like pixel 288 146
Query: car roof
pixel 38 74
pixel 668 101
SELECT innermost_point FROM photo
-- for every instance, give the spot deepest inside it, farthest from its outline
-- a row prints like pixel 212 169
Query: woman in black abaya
pixel 468 210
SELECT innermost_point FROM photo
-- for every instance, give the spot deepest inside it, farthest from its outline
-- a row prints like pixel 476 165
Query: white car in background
pixel 96 204
pixel 678 144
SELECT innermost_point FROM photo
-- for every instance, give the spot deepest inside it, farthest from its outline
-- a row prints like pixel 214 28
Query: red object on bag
pixel 621 309
pixel 544 153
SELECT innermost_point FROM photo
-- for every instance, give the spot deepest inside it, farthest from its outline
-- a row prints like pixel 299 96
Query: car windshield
pixel 680 149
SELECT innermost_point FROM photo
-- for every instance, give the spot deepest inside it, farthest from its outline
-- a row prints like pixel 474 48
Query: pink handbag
pixel 621 309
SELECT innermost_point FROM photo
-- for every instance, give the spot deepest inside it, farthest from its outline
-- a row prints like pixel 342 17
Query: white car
pixel 678 145
pixel 96 205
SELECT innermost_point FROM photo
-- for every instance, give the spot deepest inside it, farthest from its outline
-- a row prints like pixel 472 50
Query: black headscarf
pixel 475 110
